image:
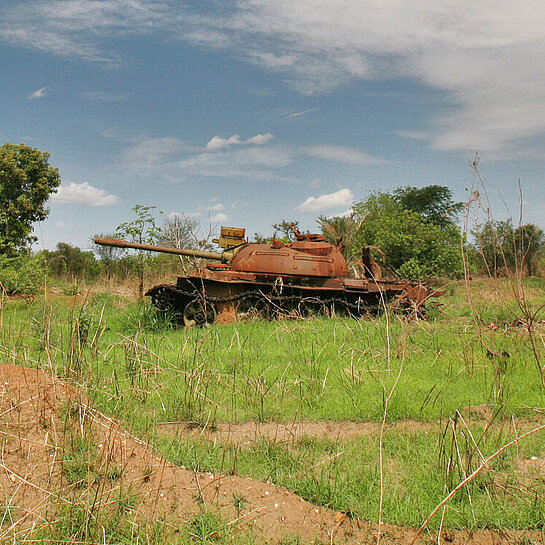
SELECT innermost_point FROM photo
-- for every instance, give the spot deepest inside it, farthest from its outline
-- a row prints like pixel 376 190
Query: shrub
pixel 23 275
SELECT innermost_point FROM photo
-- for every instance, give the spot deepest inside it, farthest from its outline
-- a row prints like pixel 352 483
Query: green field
pixel 475 353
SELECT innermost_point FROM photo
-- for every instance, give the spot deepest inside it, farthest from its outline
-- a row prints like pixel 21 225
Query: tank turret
pixel 244 280
pixel 310 255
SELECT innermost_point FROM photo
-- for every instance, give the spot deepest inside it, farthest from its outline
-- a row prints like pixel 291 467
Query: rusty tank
pixel 301 278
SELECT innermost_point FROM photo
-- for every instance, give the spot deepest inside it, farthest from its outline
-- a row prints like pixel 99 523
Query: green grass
pixel 345 475
pixel 139 368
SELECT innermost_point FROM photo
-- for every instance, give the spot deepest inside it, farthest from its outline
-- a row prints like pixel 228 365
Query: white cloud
pixel 175 161
pixel 218 218
pixel 413 135
pixel 84 194
pixel 339 199
pixel 345 214
pixel 341 154
pixel 148 153
pixel 250 163
pixel 259 139
pixel 484 58
pixel 217 142
pixel 39 93
pixel 235 205
pixel 101 96
pixel 282 114
pixel 213 207
pixel 73 28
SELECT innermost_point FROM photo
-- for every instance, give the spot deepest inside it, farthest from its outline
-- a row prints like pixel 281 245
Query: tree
pixel 143 230
pixel 68 260
pixel 349 232
pixel 414 246
pixel 529 240
pixel 180 231
pixel 494 246
pixel 26 182
pixel 285 229
pixel 109 255
pixel 502 248
pixel 433 202
pixel 282 231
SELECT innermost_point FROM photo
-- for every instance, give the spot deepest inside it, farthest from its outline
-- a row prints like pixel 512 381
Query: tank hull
pixel 223 296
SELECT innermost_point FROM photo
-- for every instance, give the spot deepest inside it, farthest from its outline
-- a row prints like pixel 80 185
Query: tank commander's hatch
pixel 230 237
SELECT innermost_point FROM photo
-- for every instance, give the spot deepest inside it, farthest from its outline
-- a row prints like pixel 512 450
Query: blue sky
pixel 245 113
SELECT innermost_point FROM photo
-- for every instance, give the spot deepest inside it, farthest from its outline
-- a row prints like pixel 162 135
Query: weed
pixel 239 502
pixel 207 527
pixel 71 289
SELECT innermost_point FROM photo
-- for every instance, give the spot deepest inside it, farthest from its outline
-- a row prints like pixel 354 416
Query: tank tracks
pixel 192 308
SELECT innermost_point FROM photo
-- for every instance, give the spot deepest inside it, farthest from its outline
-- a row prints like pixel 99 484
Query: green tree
pixel 143 229
pixel 414 246
pixel 348 232
pixel 68 260
pixel 108 255
pixel 501 248
pixel 433 202
pixel 529 240
pixel 282 231
pixel 21 275
pixel 494 247
pixel 26 182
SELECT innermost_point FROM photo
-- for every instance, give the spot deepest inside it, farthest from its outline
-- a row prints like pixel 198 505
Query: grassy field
pixel 468 379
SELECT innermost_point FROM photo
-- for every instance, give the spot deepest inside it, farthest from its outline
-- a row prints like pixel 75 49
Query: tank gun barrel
pixel 216 256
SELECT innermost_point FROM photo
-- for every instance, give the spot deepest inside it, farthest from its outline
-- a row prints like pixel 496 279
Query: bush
pixel 23 275
pixel 415 246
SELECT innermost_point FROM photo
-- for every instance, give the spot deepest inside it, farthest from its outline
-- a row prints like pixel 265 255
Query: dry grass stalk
pixel 469 478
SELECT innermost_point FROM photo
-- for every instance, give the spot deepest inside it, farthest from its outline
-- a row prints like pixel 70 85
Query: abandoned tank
pixel 300 278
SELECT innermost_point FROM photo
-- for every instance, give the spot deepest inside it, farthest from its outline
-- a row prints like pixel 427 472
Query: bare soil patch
pixel 40 416
pixel 250 432
pixel 246 433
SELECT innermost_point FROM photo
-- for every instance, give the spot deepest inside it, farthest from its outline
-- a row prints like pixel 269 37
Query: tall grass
pixel 137 367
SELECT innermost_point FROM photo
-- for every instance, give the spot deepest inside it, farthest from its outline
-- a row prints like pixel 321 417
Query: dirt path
pixel 250 432
pixel 39 417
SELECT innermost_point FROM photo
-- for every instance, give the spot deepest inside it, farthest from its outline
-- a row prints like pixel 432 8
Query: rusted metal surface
pixel 264 280
pixel 163 249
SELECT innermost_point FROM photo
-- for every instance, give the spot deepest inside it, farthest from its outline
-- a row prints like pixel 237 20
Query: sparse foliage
pixel 143 229
pixel 179 231
pixel 285 229
pixel 109 255
pixel 349 232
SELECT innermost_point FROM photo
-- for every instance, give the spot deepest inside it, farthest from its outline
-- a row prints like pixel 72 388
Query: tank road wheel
pixel 163 299
pixel 252 307
pixel 199 312
pixel 340 309
pixel 311 306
